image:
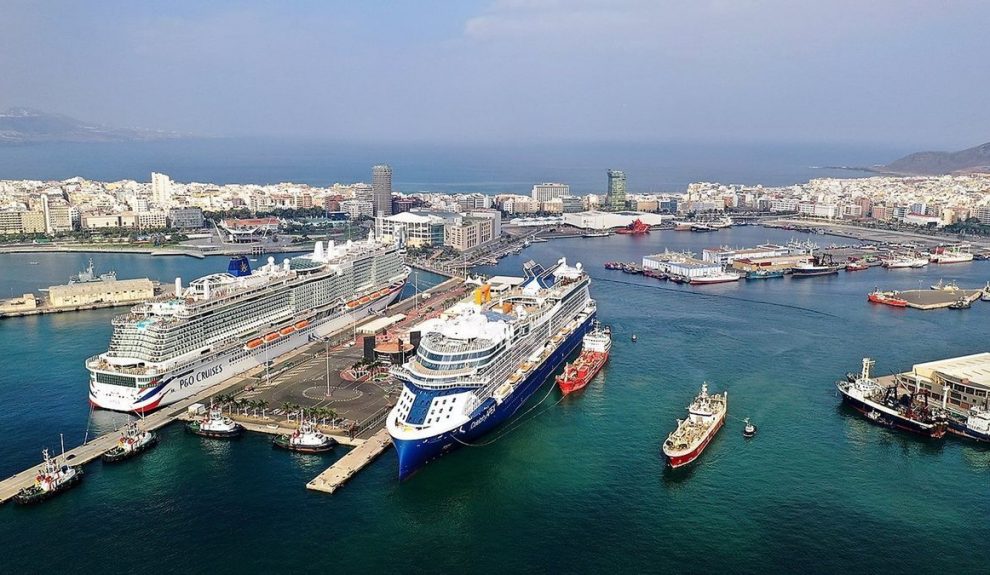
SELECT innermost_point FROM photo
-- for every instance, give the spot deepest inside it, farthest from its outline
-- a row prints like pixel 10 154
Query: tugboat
pixel 749 430
pixel 594 354
pixel 51 480
pixel 306 439
pixel 634 338
pixel 215 425
pixel 976 427
pixel 886 407
pixel 961 303
pixel 857 266
pixel 636 227
pixel 132 442
pixel 706 415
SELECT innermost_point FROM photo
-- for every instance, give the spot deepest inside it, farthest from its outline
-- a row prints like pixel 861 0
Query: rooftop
pixel 973 369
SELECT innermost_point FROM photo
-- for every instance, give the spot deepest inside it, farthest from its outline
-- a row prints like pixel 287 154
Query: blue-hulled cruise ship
pixel 484 357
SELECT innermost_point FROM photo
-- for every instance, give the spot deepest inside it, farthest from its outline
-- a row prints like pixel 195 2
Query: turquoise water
pixel 579 487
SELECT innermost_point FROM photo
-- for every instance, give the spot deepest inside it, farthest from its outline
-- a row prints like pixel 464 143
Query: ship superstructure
pixel 223 324
pixel 484 357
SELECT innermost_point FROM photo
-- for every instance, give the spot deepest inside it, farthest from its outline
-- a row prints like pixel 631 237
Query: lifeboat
pixel 302 324
pixel 352 304
pixel 365 299
pixel 254 343
pixel 514 378
pixel 286 330
pixel 271 337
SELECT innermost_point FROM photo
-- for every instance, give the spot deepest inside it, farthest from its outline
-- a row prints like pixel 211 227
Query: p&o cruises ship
pixel 484 357
pixel 223 324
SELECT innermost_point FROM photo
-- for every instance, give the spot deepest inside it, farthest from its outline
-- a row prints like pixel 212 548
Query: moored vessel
pixel 887 298
pixel 596 346
pixel 818 266
pixel 857 266
pixel 306 439
pixel 749 430
pixel 951 254
pixel 636 227
pixel 53 478
pixel 764 274
pixel 715 277
pixel 976 426
pixel 132 442
pixel 215 425
pixel 706 415
pixel 887 407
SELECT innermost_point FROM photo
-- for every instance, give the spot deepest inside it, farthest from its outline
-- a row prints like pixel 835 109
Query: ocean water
pixel 649 167
pixel 578 485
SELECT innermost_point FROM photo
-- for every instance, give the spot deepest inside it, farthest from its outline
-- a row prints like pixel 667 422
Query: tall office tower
pixel 615 200
pixel 381 183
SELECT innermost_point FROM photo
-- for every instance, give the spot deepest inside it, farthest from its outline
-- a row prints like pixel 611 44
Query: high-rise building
pixel 381 183
pixel 615 200
pixel 161 189
pixel 547 191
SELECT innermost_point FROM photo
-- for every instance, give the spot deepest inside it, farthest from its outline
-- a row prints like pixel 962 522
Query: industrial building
pixel 966 379
pixel 596 220
pixel 680 264
pixel 89 293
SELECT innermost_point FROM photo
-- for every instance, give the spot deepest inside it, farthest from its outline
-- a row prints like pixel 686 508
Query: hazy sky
pixel 869 71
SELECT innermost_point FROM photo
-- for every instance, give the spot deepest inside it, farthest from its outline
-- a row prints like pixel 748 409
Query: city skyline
pixel 887 72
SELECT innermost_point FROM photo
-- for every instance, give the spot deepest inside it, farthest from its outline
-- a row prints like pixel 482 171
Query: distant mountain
pixel 24 125
pixel 936 163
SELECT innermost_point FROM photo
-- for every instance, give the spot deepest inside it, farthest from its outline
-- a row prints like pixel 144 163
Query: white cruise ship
pixel 480 361
pixel 223 324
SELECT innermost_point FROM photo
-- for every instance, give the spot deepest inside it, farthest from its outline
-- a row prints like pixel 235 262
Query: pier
pixel 350 464
pixel 937 298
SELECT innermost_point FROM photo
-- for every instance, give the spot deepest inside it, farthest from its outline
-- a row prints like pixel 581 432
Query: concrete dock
pixel 937 298
pixel 350 464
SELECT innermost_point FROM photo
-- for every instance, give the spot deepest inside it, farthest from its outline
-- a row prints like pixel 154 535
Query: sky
pixel 900 72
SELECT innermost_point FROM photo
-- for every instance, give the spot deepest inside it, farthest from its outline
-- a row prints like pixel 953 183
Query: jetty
pixel 937 298
pixel 351 463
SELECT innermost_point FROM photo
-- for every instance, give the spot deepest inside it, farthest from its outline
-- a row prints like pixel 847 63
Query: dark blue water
pixel 649 167
pixel 580 487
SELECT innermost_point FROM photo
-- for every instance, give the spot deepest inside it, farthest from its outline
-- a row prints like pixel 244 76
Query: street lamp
pixel 326 342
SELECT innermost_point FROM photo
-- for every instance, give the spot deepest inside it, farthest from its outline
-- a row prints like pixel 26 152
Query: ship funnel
pixel 318 251
pixel 178 287
pixel 271 263
pixel 285 264
pixel 206 290
pixel 330 247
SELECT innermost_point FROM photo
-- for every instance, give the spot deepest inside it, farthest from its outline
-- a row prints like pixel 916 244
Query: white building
pixel 548 191
pixel 411 229
pixel 161 190
pixel 357 208
pixel 610 220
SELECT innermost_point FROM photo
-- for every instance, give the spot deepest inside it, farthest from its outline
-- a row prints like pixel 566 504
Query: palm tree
pixel 286 407
pixel 263 405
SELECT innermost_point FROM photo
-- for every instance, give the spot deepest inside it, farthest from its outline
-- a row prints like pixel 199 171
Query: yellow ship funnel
pixel 483 294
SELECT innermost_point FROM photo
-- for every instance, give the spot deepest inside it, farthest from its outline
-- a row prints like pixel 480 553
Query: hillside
pixel 976 159
pixel 25 125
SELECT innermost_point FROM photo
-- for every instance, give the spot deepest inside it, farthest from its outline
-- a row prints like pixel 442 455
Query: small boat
pixel 352 304
pixel 706 415
pixel 364 300
pixel 302 324
pixel 634 337
pixel 51 480
pixel 985 296
pixel 215 425
pixel 941 285
pixel 602 234
pixel 764 274
pixel 857 266
pixel 594 353
pixel 749 430
pixel 33 263
pixel 286 330
pixel 271 337
pixel 961 303
pixel 306 439
pixel 254 343
pixel 132 442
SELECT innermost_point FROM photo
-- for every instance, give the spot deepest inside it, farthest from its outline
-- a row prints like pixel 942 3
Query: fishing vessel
pixel 945 286
pixel 886 407
pixel 857 266
pixel 887 298
pixel 53 478
pixel 764 274
pixel 224 324
pixel 818 266
pixel 215 425
pixel 951 255
pixel 636 227
pixel 715 277
pixel 902 262
pixel 961 303
pixel 706 415
pixel 601 234
pixel 975 427
pixel 306 439
pixel 481 359
pixel 596 346
pixel 132 442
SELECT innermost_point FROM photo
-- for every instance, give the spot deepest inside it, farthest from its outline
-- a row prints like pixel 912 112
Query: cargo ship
pixel 951 255
pixel 886 298
pixel 596 346
pixel 482 358
pixel 884 406
pixel 223 324
pixel 636 227
pixel 706 415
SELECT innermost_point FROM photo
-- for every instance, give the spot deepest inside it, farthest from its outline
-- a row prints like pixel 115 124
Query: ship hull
pixel 797 273
pixel 192 378
pixel 959 429
pixel 714 280
pixel 682 459
pixel 283 442
pixel 34 497
pixel 892 420
pixel 116 457
pixel 415 453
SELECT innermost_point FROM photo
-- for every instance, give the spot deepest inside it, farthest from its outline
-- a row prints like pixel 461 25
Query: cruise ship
pixel 224 324
pixel 480 361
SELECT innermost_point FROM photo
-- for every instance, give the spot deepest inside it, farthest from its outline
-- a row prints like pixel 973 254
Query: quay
pixel 351 463
pixel 937 298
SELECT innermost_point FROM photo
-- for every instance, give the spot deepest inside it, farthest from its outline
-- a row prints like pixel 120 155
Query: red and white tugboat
pixel 706 415
pixel 53 478
pixel 594 354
